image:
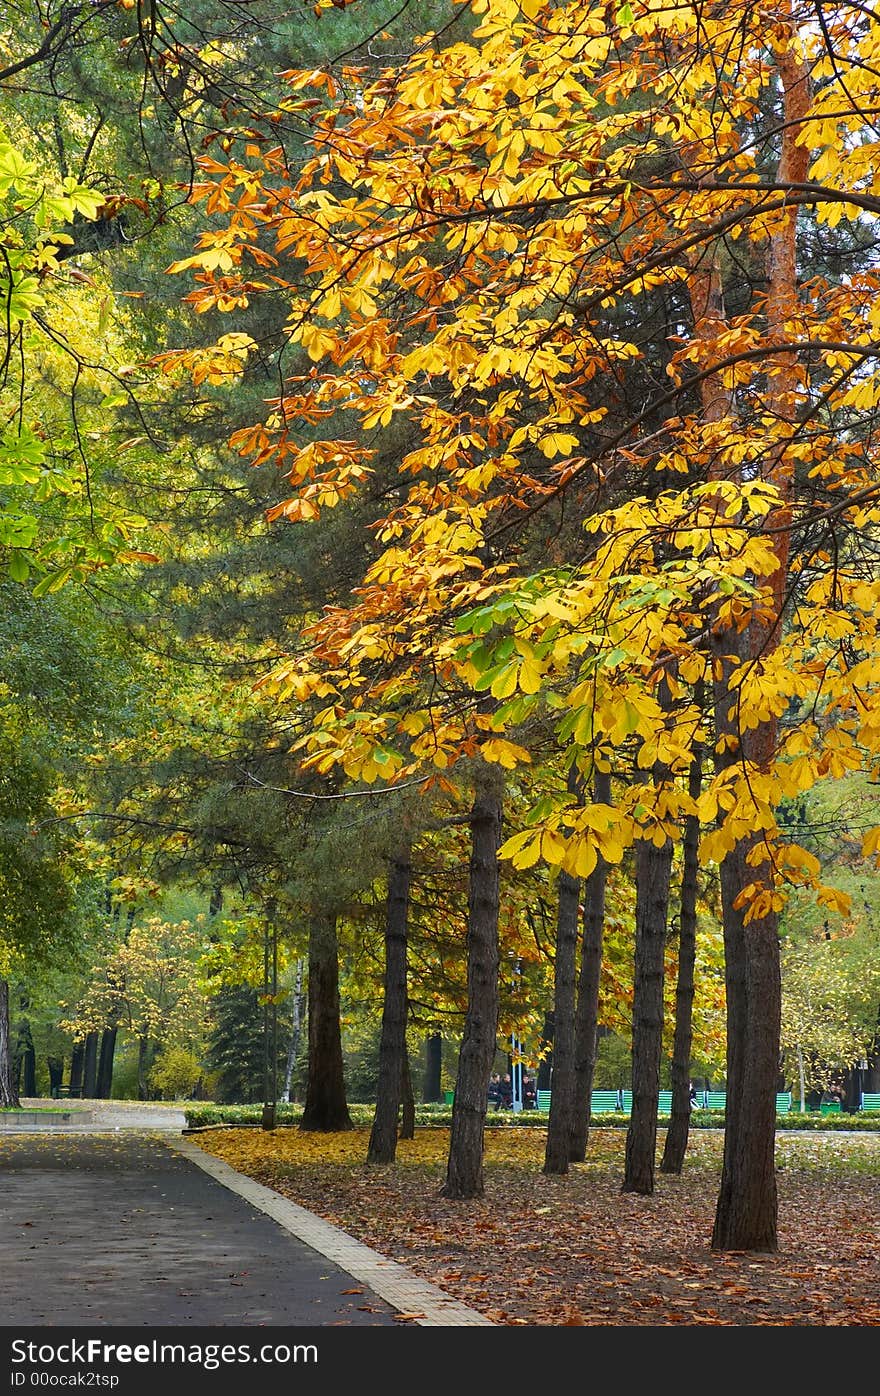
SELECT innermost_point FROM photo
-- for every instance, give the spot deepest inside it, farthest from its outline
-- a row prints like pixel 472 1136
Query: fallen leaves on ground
pixel 576 1250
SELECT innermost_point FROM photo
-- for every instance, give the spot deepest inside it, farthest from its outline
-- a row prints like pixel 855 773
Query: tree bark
pixel 675 1144
pixel 56 1073
pixel 464 1170
pixel 104 1084
pixel 326 1108
pixel 587 1013
pixel 392 1043
pixel 9 1099
pixel 432 1082
pixel 558 1146
pixel 407 1100
pixel 653 868
pixel 77 1057
pixel 90 1066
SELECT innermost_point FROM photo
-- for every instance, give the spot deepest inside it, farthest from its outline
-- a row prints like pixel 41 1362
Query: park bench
pixel 626 1102
pixel 601 1102
pixel 871 1100
pixel 62 1092
pixel 717 1100
pixel 664 1103
pixel 830 1107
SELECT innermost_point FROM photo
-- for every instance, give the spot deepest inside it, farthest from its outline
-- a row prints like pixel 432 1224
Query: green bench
pixel 664 1103
pixel 870 1100
pixel 601 1102
pixel 717 1100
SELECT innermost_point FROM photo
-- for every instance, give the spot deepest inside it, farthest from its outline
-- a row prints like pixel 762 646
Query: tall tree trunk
pixel 392 1042
pixel 407 1099
pixel 464 1169
pixel 653 869
pixel 9 1099
pixel 90 1066
pixel 104 1084
pixel 295 1033
pixel 432 1082
pixel 747 1209
pixel 325 1108
pixel 558 1145
pixel 56 1073
pixel 675 1145
pixel 77 1060
pixel 586 1025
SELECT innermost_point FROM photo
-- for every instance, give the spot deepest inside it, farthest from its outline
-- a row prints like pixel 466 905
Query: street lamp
pixel 515 1046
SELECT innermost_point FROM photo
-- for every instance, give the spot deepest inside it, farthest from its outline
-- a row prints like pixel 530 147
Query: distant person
pixel 530 1093
pixel 495 1090
pixel 693 1096
pixel 506 1092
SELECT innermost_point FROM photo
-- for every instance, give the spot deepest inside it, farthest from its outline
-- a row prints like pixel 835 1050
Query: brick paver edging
pixel 391 1281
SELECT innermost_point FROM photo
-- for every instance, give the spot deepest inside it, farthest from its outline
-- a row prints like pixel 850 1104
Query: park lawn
pixel 576 1250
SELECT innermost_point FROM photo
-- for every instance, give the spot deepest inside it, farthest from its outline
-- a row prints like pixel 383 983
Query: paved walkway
pixel 115 1223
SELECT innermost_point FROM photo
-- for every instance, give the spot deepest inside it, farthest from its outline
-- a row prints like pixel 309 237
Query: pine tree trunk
pixel 90 1066
pixel 464 1170
pixel 9 1099
pixel 558 1145
pixel 392 1043
pixel 675 1144
pixel 326 1108
pixel 587 1013
pixel 432 1082
pixel 653 868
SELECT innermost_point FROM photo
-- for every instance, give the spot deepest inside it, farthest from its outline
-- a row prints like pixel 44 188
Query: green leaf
pixel 17 567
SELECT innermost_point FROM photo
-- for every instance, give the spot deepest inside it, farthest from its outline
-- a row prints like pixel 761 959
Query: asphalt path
pixel 119 1228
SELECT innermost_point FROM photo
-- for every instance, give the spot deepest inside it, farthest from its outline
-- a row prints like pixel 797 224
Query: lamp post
pixel 270 1016
pixel 515 1045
